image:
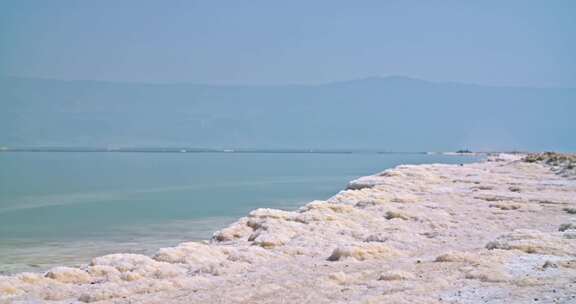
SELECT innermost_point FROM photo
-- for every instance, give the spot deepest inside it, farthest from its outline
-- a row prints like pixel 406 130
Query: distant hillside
pixel 394 113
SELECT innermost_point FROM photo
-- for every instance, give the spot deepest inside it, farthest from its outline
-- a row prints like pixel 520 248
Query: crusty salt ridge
pixel 499 231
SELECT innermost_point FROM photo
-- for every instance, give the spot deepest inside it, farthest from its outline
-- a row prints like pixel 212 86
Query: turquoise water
pixel 63 208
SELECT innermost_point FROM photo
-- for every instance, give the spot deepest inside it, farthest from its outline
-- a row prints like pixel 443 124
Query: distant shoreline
pixel 229 150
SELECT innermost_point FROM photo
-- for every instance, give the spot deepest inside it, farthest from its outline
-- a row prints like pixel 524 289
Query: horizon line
pixel 191 149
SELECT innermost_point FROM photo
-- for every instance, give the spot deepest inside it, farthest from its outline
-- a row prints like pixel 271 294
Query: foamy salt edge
pixel 412 234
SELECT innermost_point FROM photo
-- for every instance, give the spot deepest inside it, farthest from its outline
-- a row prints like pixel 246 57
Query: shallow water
pixel 63 208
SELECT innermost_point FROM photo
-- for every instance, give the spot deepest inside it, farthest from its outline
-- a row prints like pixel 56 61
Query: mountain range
pixel 387 113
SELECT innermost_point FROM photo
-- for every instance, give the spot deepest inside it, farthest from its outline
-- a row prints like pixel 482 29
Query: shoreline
pixel 169 197
pixel 415 233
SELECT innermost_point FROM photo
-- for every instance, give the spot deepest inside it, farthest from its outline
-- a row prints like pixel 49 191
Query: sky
pixel 519 43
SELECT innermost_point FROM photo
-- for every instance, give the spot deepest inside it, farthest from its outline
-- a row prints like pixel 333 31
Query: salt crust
pixel 412 234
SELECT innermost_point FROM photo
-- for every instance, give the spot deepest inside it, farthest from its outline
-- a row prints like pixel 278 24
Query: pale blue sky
pixel 525 42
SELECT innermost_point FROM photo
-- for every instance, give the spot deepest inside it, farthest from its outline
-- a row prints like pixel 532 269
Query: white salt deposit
pixel 490 232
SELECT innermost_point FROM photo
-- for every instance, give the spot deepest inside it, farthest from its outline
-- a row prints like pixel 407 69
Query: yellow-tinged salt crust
pixel 412 234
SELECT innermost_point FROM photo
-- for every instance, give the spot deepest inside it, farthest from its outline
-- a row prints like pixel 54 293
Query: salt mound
pixel 9 287
pixel 136 266
pixel 237 230
pixel 458 256
pixel 191 253
pixel 69 275
pixel 363 252
pixel 534 241
pixel 395 275
pixel 568 226
pixel 263 213
pixel 491 275
pixel 104 272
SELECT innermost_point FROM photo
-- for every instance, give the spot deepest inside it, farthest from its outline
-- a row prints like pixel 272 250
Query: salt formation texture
pixel 500 231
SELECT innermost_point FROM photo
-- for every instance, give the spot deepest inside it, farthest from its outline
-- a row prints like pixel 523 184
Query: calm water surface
pixel 63 208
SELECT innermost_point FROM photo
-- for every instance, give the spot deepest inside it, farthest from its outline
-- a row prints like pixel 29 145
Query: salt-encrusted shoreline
pixel 501 231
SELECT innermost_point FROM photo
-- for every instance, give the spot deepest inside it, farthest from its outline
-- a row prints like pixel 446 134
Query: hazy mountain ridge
pixel 386 113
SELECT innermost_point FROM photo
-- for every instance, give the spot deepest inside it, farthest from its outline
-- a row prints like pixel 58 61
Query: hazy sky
pixel 262 42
